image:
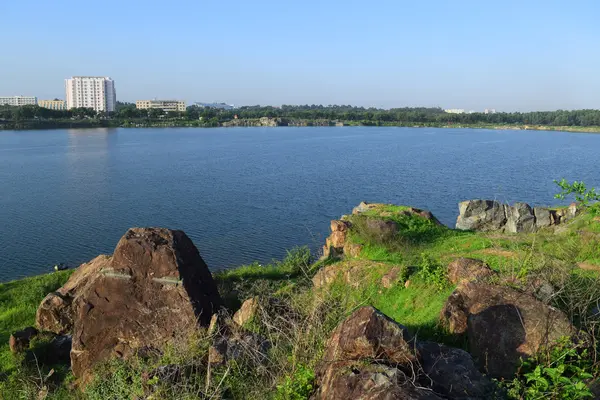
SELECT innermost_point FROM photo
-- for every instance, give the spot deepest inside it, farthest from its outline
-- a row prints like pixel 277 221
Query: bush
pixel 297 386
pixel 433 272
pixel 561 372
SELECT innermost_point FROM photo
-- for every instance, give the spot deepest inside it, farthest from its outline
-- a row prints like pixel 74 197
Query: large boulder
pixel 344 381
pixel 502 325
pixel 369 334
pixel 481 215
pixel 520 218
pixel 469 269
pixel 153 289
pixel 453 372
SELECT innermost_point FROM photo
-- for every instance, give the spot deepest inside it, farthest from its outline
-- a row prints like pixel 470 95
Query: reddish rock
pixel 469 269
pixel 337 239
pixel 339 226
pixel 502 325
pixel 19 341
pixel 367 333
pixel 153 289
pixel 391 278
pixel 352 249
pixel 246 312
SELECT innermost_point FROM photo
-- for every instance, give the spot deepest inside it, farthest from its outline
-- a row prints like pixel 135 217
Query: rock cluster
pixel 502 324
pixel 369 356
pixel 151 290
pixel 490 215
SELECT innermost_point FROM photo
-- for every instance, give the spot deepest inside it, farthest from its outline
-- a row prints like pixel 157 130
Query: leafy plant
pixel 298 386
pixel 578 188
pixel 560 372
pixel 433 272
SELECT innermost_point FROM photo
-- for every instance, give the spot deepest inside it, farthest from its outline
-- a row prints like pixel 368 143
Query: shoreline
pixel 274 123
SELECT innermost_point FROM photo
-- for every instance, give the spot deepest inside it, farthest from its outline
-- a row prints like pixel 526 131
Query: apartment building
pixel 17 100
pixel 165 105
pixel 53 104
pixel 95 92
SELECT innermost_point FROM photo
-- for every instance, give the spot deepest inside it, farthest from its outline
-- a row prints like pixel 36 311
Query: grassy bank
pixel 297 317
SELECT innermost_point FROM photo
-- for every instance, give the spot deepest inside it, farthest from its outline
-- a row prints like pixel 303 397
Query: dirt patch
pixel 499 252
pixel 588 266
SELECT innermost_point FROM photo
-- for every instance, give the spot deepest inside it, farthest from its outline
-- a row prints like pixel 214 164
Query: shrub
pixel 297 386
pixel 433 272
pixel 561 372
pixel 582 194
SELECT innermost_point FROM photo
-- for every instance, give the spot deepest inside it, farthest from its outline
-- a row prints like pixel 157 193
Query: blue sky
pixel 509 55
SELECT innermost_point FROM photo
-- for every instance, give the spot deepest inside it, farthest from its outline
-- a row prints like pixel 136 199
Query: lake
pixel 246 194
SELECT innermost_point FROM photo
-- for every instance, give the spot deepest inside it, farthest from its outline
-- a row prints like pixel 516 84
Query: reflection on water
pixel 251 193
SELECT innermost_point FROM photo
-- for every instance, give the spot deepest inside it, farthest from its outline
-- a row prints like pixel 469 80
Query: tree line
pixel 422 115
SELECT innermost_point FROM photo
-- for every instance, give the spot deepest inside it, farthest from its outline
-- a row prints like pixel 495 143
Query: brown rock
pixel 153 289
pixel 339 226
pixel 352 249
pixel 407 283
pixel 55 313
pixel 247 312
pixel 337 239
pixel 469 269
pixel 367 333
pixel 347 380
pixel 391 278
pixel 238 345
pixel 19 341
pixel 502 325
pixel 383 229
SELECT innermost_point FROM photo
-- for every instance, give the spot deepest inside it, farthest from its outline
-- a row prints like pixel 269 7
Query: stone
pixel 55 351
pixel 154 288
pixel 572 210
pixel 469 269
pixel 520 218
pixel 352 250
pixel 369 334
pixel 247 312
pixel 364 207
pixel 481 215
pixel 407 283
pixel 19 340
pixel 238 345
pixel 339 226
pixel 543 217
pixel 344 381
pixel 391 278
pixel 383 229
pixel 55 313
pixel 502 325
pixel 453 373
pixel 337 239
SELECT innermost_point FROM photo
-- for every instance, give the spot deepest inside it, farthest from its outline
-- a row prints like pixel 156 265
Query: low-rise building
pixel 490 111
pixel 17 101
pixel 165 105
pixel 455 111
pixel 53 104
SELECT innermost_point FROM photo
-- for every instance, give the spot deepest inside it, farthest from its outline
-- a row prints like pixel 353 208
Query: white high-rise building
pixel 17 101
pixel 95 92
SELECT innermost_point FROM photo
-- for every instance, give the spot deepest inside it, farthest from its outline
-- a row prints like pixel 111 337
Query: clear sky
pixel 509 55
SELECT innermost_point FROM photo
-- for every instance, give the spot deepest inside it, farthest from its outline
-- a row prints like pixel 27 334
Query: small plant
pixel 433 272
pixel 582 194
pixel 298 386
pixel 561 372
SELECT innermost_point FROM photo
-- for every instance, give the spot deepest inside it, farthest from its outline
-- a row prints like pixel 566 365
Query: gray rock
pixel 543 217
pixel 520 218
pixel 481 215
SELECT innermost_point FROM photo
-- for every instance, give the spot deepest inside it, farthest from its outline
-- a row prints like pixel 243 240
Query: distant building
pixel 455 111
pixel 165 105
pixel 53 104
pixel 17 100
pixel 95 92
pixel 221 106
pixel 489 111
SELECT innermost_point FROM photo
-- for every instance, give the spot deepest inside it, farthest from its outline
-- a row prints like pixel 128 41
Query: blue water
pixel 245 194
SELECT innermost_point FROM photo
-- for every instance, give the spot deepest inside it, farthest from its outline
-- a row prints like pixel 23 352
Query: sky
pixel 509 55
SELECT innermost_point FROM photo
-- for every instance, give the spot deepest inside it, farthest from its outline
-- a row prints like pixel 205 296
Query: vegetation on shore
pixel 34 117
pixel 568 259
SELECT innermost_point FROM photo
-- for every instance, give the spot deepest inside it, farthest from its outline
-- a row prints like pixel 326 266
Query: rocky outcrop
pixel 490 215
pixel 153 289
pixel 247 312
pixel 334 244
pixel 369 356
pixel 468 269
pixel 502 325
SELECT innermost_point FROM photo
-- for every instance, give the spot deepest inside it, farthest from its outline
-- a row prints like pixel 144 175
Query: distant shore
pixel 265 122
